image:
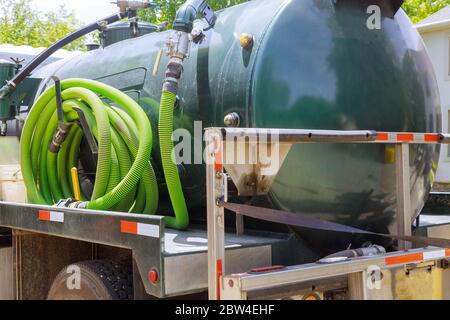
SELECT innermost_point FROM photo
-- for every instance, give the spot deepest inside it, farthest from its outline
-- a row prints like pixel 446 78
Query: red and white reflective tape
pixel 54 216
pixel 219 267
pixel 137 228
pixel 218 155
pixel 417 257
pixel 397 137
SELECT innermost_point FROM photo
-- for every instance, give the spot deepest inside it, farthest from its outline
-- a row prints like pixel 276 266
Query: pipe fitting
pixel 170 85
pixel 3 128
pixel 186 14
pixel 232 120
pixel 174 70
pixel 178 46
pixel 178 49
pixel 371 250
pixel 125 6
pixel 73 204
pixel 246 41
pixel 61 133
pixel 7 88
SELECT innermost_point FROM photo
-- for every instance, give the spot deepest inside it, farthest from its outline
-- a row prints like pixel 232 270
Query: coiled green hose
pixel 125 179
pixel 181 219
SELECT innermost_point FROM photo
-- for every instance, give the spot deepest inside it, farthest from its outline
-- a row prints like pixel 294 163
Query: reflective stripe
pixel 149 230
pixel 54 216
pixel 431 137
pixel 434 254
pixel 406 258
pixel 219 267
pixel 382 136
pixel 417 257
pixel 142 229
pixel 407 137
pixel 218 155
pixel 128 227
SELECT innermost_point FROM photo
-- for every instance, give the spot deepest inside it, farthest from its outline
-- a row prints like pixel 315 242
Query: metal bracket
pixel 217 160
pixel 87 133
pixel 59 101
pixel 216 190
pixel 403 190
pixel 134 27
pixel 101 227
pixel 209 15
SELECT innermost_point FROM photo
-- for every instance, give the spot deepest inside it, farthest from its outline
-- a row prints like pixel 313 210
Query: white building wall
pixel 438 46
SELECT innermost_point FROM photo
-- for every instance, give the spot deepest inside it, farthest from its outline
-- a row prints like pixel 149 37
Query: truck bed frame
pixel 196 260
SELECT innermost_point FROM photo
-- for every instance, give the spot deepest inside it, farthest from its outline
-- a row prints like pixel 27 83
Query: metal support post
pixel 403 192
pixel 239 224
pixel 216 190
pixel 357 289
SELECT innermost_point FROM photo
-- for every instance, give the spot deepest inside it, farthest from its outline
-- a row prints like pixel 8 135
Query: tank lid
pixel 6 62
pixel 124 30
pixel 126 24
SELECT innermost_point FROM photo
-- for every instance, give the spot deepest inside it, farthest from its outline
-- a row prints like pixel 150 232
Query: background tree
pixel 20 24
pixel 166 9
pixel 418 10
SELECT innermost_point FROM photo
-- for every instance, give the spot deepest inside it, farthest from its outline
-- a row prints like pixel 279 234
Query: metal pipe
pixel 300 135
pixel 125 6
pixel 444 138
pixel 360 252
pixel 294 136
pixel 186 14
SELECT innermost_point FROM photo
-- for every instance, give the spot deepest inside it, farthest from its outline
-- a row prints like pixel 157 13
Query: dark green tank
pixel 7 71
pixel 121 31
pixel 314 64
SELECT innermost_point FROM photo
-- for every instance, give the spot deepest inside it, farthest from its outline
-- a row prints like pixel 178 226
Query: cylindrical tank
pixel 314 64
pixel 7 71
pixel 123 30
pixel 7 107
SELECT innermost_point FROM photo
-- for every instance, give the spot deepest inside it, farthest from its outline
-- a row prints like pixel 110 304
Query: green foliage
pixel 166 9
pixel 418 10
pixel 20 24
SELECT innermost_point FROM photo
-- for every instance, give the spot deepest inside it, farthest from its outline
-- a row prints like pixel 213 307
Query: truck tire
pixel 98 280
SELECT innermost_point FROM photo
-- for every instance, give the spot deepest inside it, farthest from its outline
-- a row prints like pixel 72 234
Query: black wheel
pixel 97 280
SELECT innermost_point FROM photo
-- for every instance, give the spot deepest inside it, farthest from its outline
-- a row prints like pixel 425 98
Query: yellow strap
pixel 75 183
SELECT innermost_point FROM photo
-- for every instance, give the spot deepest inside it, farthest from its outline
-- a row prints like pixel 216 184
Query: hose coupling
pixel 71 203
pixel 173 75
pixel 187 13
pixel 178 46
pixel 59 137
pixel 178 50
pixel 371 250
pixel 174 70
pixel 81 205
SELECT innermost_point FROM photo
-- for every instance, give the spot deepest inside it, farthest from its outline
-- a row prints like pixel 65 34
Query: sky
pixel 85 10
